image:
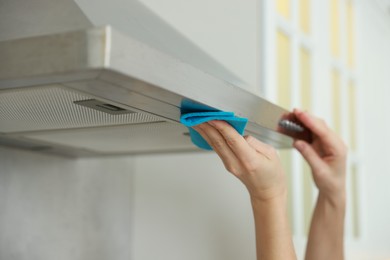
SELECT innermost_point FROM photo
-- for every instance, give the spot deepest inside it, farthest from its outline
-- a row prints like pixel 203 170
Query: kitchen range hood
pixel 97 91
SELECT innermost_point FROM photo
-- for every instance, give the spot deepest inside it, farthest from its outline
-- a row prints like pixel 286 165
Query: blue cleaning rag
pixel 195 118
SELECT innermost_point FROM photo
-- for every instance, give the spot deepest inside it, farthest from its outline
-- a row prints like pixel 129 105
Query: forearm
pixel 273 235
pixel 326 237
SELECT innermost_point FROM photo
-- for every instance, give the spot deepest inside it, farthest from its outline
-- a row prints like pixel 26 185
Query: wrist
pixel 335 194
pixel 278 199
pixel 272 211
pixel 337 199
pixel 268 194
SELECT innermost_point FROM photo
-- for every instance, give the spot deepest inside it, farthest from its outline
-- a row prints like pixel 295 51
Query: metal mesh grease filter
pixel 51 107
pixel 138 138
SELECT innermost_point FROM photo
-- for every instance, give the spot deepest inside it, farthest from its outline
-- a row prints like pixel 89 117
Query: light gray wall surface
pixel 189 207
pixel 57 208
pixel 173 206
pixel 20 18
pixel 373 54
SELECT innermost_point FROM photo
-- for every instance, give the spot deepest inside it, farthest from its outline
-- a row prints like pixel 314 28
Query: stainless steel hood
pixel 97 91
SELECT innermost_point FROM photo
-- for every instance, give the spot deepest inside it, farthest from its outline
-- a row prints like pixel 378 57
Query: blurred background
pixel 331 58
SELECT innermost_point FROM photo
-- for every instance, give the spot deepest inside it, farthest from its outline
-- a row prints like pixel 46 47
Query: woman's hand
pixel 258 167
pixel 256 164
pixel 326 156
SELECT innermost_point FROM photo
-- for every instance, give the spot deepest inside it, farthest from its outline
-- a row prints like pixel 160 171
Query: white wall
pixel 373 53
pixel 225 29
pixel 188 207
pixel 57 208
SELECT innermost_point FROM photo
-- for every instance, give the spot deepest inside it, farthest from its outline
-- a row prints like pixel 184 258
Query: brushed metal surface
pixel 107 64
pixel 21 19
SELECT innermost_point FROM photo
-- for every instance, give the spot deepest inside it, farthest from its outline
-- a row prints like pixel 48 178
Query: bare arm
pixel 326 156
pixel 273 235
pixel 258 167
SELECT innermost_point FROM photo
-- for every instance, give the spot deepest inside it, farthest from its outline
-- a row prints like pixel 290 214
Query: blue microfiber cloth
pixel 191 119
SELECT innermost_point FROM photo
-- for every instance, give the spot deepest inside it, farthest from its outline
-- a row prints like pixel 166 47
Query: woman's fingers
pixel 218 143
pixel 260 147
pixel 316 125
pixel 309 154
pixel 245 158
pixel 319 128
pixel 235 151
pixel 234 140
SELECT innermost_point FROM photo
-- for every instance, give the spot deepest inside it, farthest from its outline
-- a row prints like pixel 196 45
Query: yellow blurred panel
pixel 305 76
pixel 355 202
pixel 307 196
pixel 283 8
pixel 336 101
pixel 352 115
pixel 304 15
pixel 335 27
pixel 305 73
pixel 350 33
pixel 286 159
pixel 283 70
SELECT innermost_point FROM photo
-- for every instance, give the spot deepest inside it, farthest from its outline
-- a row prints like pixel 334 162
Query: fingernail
pixel 297 110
